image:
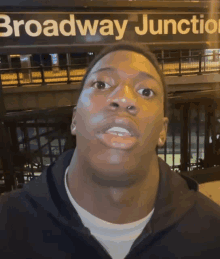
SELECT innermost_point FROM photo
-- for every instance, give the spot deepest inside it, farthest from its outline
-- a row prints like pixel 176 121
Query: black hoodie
pixel 39 221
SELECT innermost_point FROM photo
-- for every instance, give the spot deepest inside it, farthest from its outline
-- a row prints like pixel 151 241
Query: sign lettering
pixel 100 28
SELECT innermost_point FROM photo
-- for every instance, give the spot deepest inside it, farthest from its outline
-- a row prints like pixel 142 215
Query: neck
pixel 115 204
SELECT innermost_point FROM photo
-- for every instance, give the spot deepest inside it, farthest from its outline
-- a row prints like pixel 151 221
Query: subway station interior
pixel 40 80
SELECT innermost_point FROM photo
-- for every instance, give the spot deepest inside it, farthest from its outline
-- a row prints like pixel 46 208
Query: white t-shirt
pixel 116 238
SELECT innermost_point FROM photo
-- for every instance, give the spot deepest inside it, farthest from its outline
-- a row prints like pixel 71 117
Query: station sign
pixel 69 29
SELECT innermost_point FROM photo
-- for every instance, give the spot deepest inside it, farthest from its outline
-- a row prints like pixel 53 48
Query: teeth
pixel 113 133
pixel 118 130
pixel 119 134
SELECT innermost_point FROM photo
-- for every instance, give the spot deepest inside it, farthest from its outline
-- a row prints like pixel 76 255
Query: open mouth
pixel 117 137
pixel 119 131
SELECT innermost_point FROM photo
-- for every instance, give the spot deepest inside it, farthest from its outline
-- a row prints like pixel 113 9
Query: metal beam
pixel 114 4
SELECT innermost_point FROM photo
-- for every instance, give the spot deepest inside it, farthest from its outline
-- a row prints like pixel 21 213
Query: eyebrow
pixel 141 73
pixel 104 69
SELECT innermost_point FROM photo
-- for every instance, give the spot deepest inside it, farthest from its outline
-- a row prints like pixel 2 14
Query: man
pixel 112 197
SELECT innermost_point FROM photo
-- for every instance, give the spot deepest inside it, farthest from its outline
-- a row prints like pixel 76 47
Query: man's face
pixel 120 115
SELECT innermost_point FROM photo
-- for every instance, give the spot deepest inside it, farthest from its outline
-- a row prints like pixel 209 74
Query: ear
pixel 73 124
pixel 163 133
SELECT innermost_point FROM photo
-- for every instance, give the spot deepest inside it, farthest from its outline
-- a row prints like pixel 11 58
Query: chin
pixel 109 166
pixel 113 176
pixel 113 160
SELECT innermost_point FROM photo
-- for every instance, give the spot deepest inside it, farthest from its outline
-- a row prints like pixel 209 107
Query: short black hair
pixel 144 50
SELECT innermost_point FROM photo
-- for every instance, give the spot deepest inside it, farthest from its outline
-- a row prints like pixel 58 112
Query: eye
pixel 146 92
pixel 100 85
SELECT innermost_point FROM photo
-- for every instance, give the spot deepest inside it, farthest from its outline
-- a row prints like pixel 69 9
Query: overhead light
pixel 14 56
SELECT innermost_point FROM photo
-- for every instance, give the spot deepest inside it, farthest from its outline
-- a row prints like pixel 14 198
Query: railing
pixel 189 65
pixel 41 75
pixel 178 66
pixel 38 138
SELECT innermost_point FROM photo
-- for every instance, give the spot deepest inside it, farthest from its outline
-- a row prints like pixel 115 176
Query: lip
pixel 115 141
pixel 118 122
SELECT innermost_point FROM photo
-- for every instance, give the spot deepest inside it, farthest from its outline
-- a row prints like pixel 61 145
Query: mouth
pixel 119 133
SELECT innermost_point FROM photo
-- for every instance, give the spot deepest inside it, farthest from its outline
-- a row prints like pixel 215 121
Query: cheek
pixel 151 119
pixel 151 134
pixel 152 127
pixel 90 102
pixel 152 110
pixel 88 107
pixel 84 99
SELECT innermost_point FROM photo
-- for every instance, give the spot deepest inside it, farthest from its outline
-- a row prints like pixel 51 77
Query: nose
pixel 123 98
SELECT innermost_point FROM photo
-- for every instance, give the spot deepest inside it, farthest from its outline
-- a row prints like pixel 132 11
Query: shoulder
pixel 202 220
pixel 205 205
pixel 11 214
pixel 10 201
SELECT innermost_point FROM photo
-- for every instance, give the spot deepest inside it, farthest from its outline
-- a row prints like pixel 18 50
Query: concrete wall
pixel 40 97
pixel 56 95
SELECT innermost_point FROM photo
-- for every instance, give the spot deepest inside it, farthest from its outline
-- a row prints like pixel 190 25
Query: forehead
pixel 129 62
